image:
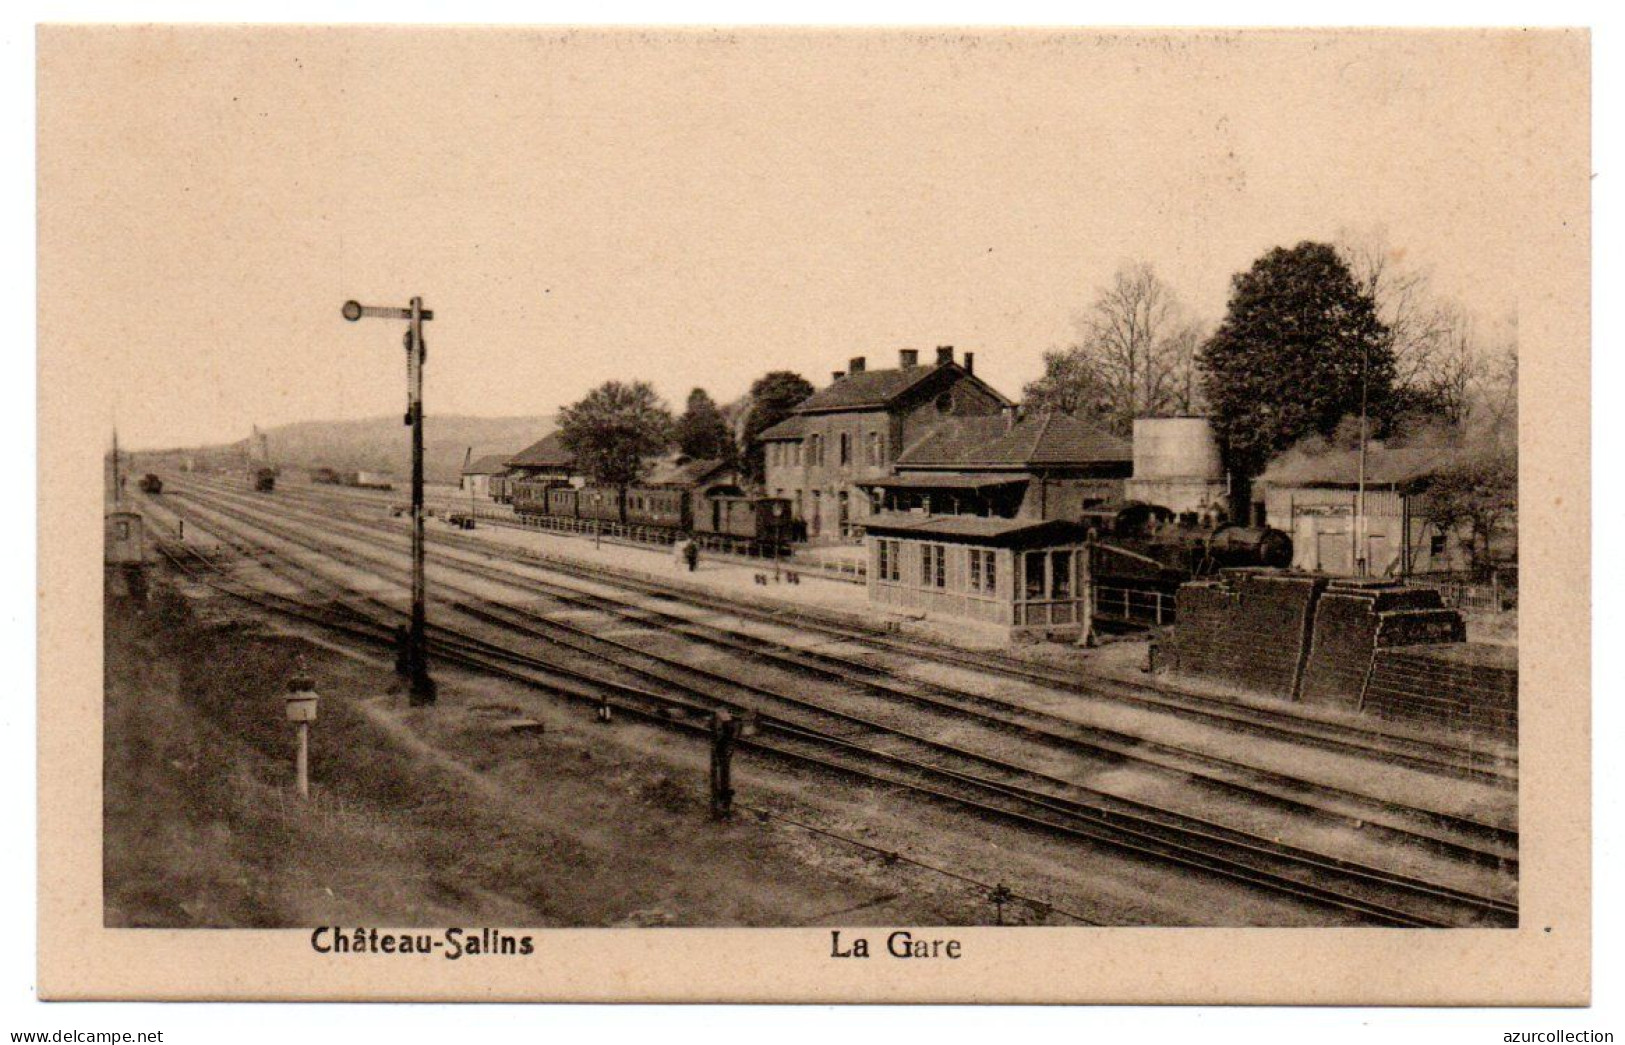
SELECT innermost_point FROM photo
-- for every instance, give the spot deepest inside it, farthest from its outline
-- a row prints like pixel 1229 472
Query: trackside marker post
pixel 300 708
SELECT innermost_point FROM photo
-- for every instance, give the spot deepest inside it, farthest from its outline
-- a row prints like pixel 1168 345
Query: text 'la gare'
pixel 900 944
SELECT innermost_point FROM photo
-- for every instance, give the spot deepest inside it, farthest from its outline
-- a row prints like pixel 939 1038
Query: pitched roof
pixel 872 389
pixel 547 452
pixel 991 442
pixel 683 472
pixel 791 427
pixel 490 464
pixel 1384 466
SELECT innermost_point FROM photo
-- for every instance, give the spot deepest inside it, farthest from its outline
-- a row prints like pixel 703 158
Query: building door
pixel 1379 558
pixel 1332 551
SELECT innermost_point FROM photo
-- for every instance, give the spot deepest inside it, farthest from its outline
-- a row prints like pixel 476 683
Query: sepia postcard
pixel 792 515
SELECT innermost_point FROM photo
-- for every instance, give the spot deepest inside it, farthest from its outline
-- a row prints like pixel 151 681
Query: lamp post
pixel 416 661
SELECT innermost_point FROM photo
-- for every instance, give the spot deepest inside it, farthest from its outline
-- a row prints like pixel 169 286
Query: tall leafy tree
pixel 702 432
pixel 614 428
pixel 772 397
pixel 1297 344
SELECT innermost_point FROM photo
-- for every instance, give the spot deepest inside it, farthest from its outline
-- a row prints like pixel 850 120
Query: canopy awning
pixel 977 529
pixel 949 481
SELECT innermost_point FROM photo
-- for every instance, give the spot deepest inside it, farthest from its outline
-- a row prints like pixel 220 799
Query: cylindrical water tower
pixel 1177 464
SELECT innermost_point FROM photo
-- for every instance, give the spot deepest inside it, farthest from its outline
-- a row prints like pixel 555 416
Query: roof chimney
pixel 970 362
pixel 856 365
pixel 836 375
pixel 908 357
pixel 945 354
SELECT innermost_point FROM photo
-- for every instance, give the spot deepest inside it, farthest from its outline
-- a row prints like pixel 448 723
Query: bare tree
pixel 1136 355
pixel 1436 354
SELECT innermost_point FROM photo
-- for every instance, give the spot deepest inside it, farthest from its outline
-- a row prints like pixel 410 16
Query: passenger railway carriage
pixel 721 517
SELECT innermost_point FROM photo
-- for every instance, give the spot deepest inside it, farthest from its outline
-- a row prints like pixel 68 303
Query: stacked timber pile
pixel 1378 647
pixel 1353 620
pixel 1248 628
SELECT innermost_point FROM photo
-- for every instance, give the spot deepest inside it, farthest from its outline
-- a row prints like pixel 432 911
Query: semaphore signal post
pixel 416 661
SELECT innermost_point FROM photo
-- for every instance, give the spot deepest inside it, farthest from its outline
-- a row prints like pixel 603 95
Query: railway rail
pixel 1001 786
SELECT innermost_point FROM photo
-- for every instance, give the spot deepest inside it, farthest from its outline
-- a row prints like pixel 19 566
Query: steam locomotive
pixel 1147 547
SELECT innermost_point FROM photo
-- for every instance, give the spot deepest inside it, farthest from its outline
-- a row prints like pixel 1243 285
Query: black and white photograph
pixel 932 491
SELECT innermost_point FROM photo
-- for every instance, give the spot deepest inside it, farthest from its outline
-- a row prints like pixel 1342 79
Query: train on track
pixel 722 517
pixel 1149 547
pixel 354 479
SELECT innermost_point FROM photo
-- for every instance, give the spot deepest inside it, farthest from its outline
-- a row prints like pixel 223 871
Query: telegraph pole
pixel 1360 542
pixel 417 641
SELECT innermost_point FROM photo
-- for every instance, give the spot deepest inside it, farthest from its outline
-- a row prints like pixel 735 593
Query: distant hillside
pixel 383 444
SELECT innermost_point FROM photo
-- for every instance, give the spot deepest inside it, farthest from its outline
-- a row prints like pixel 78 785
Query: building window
pixel 983 577
pixel 945 402
pixel 846 448
pixel 933 565
pixel 1436 544
pixel 1060 575
pixel 876 454
pixel 890 560
pixel 1033 588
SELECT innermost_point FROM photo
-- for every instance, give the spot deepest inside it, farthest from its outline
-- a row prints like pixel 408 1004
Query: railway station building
pixel 545 459
pixel 481 476
pixel 853 431
pixel 1026 576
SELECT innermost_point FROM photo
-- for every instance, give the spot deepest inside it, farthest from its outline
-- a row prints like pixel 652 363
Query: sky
pixel 697 208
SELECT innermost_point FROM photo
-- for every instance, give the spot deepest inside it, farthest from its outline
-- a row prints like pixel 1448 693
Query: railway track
pixel 948 771
pixel 1489 844
pixel 1497 767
